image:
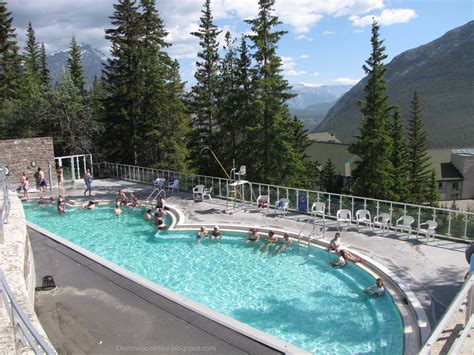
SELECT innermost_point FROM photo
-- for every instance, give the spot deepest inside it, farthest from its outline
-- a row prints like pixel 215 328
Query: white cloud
pixel 304 37
pixel 346 81
pixel 293 72
pixel 312 85
pixel 315 73
pixel 387 17
pixel 304 56
pixel 327 33
pixel 288 66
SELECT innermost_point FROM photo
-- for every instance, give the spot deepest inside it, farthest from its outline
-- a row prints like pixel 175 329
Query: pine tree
pixel 44 71
pixel 204 93
pixel 123 83
pixel 164 122
pixel 9 58
pixel 74 66
pixel 276 159
pixel 418 159
pixel 374 171
pixel 399 158
pixel 433 193
pixel 328 177
pixel 32 53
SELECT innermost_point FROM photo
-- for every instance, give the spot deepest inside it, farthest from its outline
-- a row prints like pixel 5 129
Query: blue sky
pixel 327 41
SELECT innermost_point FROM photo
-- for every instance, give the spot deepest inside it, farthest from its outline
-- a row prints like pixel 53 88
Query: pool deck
pixel 434 272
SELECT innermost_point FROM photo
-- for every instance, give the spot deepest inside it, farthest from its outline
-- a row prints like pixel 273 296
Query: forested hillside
pixel 442 72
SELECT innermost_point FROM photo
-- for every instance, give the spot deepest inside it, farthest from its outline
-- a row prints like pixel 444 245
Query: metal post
pixel 73 175
pixel 78 168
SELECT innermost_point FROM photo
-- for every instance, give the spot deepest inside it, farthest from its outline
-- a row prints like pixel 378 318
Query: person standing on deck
pixel 88 182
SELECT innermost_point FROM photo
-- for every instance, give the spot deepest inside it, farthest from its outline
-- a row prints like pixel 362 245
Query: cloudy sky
pixel 327 40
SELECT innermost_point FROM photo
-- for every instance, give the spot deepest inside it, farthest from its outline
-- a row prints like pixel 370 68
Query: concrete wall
pixel 17 155
pixel 16 261
pixel 465 164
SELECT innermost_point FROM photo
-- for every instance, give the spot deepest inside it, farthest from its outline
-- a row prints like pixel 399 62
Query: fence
pixel 451 223
pixel 24 332
pixel 74 166
pixel 5 207
pixel 466 292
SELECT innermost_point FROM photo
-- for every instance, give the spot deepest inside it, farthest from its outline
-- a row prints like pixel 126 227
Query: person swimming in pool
pixel 252 236
pixel 159 222
pixel 147 215
pixel 117 210
pixel 90 205
pixel 216 234
pixel 269 240
pixel 340 262
pixel 201 234
pixel 376 290
pixel 283 244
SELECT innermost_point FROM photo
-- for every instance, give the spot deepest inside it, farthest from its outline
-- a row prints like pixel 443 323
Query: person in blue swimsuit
pixel 88 182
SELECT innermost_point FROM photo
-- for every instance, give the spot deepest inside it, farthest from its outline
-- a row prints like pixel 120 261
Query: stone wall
pixel 17 155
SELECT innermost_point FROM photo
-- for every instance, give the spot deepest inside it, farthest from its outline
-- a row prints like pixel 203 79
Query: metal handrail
pixel 5 208
pixel 451 223
pixel 466 290
pixel 23 330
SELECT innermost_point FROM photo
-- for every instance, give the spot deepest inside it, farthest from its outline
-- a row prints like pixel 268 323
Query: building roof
pixel 323 137
pixel 464 151
pixel 449 172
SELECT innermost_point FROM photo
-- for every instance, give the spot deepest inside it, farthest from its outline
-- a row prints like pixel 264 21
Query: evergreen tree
pixel 75 67
pixel 373 175
pixel 123 83
pixel 9 58
pixel 44 71
pixel 32 53
pixel 399 158
pixel 328 177
pixel 204 93
pixel 418 159
pixel 164 122
pixel 433 193
pixel 275 158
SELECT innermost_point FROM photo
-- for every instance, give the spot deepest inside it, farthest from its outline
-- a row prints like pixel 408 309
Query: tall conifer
pixel 9 58
pixel 418 159
pixel 32 53
pixel 399 158
pixel 75 68
pixel 205 92
pixel 276 158
pixel 44 71
pixel 373 175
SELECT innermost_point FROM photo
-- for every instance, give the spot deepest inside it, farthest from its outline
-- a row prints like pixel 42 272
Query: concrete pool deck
pixel 434 271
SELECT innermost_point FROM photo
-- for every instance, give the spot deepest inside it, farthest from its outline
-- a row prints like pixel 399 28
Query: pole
pixel 50 179
pixel 225 172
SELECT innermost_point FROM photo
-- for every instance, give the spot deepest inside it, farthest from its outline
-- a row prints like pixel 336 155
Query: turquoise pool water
pixel 294 296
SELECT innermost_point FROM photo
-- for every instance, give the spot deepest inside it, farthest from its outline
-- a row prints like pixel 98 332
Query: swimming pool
pixel 294 296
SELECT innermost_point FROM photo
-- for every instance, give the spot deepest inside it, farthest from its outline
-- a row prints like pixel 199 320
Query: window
pixel 455 185
pixel 440 185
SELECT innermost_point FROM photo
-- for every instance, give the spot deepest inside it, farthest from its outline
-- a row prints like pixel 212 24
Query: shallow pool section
pixel 296 296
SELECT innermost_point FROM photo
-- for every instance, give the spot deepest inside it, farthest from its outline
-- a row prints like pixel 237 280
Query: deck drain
pixel 48 284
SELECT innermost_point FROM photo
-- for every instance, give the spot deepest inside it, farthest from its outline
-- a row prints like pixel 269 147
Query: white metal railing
pixel 24 332
pixel 451 223
pixel 5 206
pixel 74 166
pixel 467 291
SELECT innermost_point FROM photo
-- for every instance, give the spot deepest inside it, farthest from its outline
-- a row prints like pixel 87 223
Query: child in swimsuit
pixel 252 236
pixel 283 244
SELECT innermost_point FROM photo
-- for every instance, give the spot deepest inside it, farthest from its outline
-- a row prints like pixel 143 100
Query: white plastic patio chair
pixel 263 201
pixel 159 183
pixel 207 193
pixel 318 209
pixel 198 192
pixel 428 228
pixel 282 206
pixel 343 216
pixel 174 186
pixel 363 216
pixel 382 221
pixel 404 223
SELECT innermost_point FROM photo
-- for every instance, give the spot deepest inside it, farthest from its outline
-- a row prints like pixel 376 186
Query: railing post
pixel 465 225
pixel 73 175
pixel 450 217
pixel 352 207
pixel 329 204
pixel 419 218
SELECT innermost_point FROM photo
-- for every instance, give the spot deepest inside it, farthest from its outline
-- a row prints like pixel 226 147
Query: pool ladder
pixel 311 235
pixel 154 195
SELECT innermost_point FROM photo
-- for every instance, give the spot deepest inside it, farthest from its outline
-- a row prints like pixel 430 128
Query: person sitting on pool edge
pixel 283 244
pixel 340 262
pixel 134 200
pixel 376 290
pixel 252 236
pixel 335 244
pixel 269 240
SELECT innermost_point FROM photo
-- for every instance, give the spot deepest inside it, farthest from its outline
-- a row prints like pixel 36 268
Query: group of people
pixel 158 214
pixel 122 200
pixel 271 240
pixel 203 233
pixel 336 246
